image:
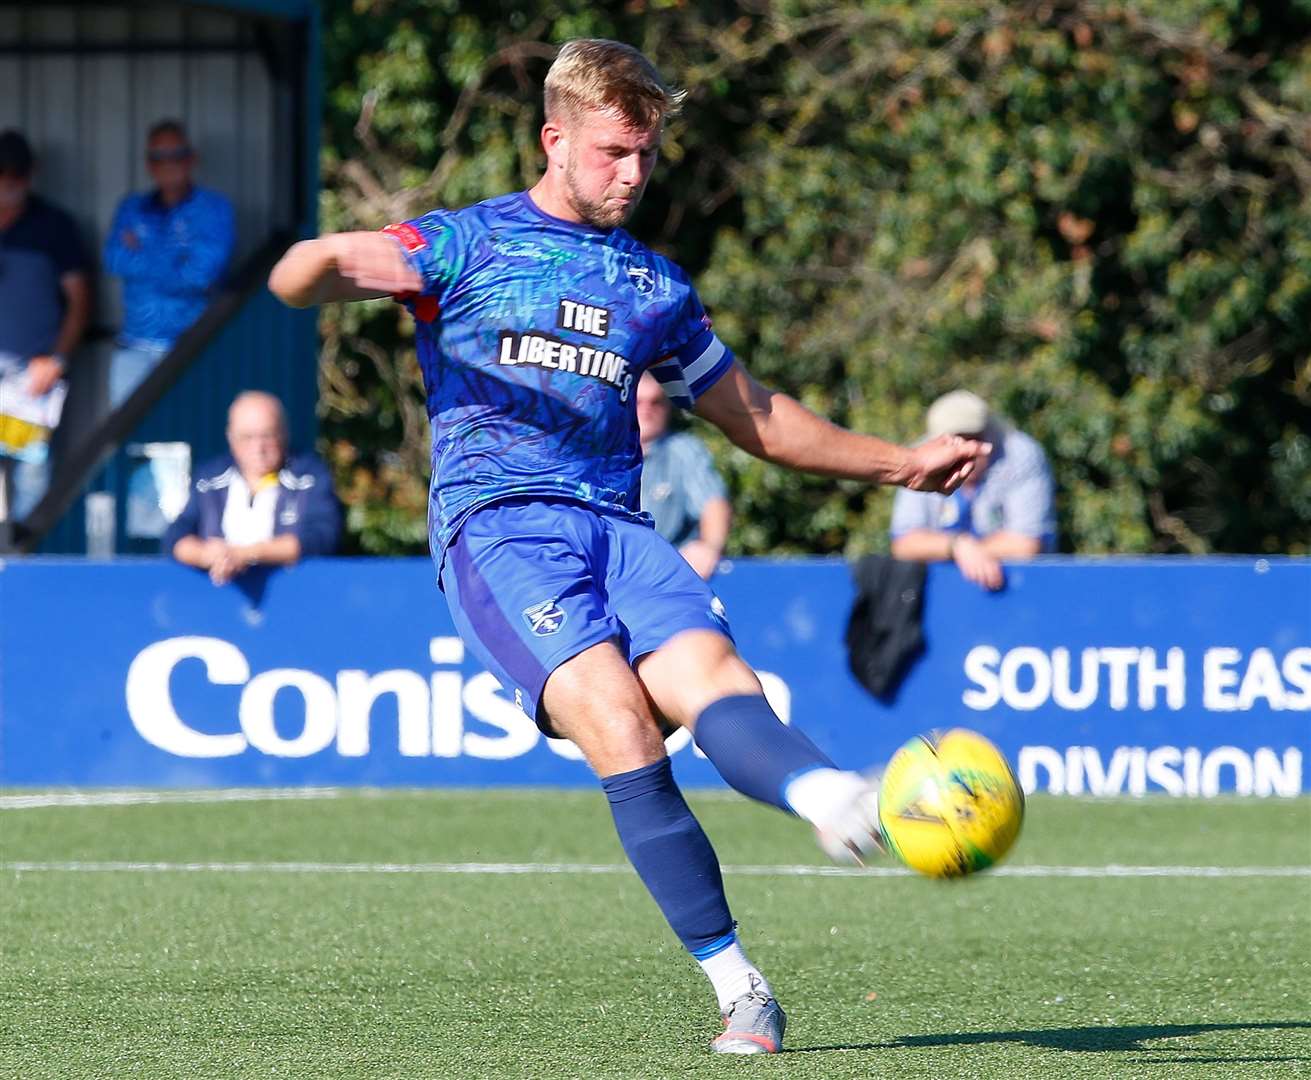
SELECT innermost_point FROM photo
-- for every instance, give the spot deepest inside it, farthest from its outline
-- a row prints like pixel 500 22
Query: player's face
pixel 652 408
pixel 256 438
pixel 608 164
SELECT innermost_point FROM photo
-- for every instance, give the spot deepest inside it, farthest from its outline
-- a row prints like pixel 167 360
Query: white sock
pixel 819 795
pixel 733 975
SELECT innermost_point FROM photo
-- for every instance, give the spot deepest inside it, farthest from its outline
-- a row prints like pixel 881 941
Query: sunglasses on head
pixel 179 153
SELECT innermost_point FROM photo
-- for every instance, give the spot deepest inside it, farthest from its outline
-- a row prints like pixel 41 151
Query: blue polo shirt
pixel 180 255
pixel 35 252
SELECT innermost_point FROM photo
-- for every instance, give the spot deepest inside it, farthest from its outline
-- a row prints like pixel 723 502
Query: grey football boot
pixel 753 1024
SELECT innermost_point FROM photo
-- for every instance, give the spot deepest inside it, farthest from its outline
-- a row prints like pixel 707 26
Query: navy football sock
pixel 754 751
pixel 672 855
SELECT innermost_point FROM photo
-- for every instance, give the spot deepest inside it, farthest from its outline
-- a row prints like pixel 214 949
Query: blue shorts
pixel 531 583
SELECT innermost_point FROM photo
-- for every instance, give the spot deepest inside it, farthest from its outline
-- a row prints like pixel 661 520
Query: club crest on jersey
pixel 643 279
pixel 544 618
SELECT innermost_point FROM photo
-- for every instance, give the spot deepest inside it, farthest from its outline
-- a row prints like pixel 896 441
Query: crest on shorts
pixel 544 618
pixel 720 614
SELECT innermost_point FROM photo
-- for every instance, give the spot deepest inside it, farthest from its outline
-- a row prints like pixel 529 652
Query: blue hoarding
pixel 1190 677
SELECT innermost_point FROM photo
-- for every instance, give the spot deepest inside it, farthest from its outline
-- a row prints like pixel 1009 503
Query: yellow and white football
pixel 949 804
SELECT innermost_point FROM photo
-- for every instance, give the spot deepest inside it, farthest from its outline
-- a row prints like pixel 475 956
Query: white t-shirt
pixel 247 518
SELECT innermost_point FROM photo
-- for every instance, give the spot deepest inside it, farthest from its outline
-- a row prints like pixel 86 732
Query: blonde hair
pixel 593 73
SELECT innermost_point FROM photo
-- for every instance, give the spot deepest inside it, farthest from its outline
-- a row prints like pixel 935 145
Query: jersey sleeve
pixel 433 245
pixel 691 358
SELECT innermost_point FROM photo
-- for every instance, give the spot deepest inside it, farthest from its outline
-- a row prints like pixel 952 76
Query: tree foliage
pixel 1096 215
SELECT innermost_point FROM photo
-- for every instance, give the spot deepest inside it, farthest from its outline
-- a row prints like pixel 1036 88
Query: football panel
pixel 988 802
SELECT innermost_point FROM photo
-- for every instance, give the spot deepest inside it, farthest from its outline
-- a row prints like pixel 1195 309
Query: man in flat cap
pixel 1002 512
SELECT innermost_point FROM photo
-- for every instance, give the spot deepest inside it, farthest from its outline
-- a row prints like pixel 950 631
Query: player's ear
pixel 555 140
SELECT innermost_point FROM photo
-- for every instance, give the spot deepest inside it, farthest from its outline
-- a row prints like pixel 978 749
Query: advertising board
pixel 1096 677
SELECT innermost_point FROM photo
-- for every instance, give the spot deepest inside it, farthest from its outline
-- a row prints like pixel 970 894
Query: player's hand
pixel 703 558
pixel 942 464
pixel 42 374
pixel 977 563
pixel 374 261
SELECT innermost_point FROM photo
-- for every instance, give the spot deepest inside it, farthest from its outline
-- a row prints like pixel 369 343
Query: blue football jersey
pixel 532 333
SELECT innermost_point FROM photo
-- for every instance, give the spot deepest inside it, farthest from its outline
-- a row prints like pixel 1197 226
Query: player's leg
pixel 685 658
pixel 595 700
pixel 697 680
pixel 520 588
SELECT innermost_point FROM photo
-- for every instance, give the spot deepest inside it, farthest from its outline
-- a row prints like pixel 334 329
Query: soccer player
pixel 536 315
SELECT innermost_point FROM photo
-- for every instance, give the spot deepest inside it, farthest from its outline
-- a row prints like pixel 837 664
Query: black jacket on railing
pixel 883 631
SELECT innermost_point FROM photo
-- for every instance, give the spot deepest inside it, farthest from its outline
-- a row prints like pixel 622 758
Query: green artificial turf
pixel 350 971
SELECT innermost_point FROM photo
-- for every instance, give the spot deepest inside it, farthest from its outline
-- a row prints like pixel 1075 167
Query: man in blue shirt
pixel 536 314
pixel 44 302
pixel 170 246
pixel 681 489
pixel 1003 511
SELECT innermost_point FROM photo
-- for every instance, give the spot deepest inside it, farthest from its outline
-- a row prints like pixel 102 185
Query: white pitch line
pixel 151 798
pixel 1111 871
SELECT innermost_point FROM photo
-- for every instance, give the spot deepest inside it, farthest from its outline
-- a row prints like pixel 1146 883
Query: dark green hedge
pixel 1094 214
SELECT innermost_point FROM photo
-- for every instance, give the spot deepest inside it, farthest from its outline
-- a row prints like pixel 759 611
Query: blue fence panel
pixel 1190 677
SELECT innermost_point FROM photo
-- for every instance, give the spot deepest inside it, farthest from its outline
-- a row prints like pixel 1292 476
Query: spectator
pixel 170 246
pixel 680 487
pixel 1003 511
pixel 44 303
pixel 256 506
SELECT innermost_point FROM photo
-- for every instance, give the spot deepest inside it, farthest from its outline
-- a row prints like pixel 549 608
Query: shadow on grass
pixel 1099 1039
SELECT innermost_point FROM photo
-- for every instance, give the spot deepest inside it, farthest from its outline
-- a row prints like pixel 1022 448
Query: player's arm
pixel 343 266
pixel 777 428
